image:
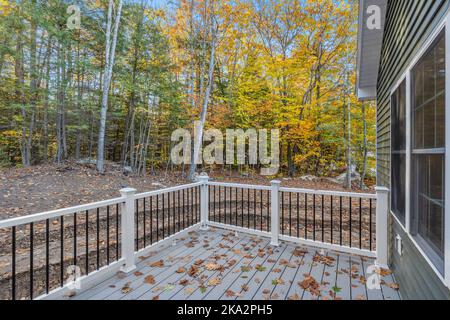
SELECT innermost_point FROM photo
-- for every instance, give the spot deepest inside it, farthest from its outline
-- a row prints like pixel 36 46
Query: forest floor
pixel 48 187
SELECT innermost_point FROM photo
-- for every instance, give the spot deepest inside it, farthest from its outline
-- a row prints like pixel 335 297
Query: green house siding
pixel 408 25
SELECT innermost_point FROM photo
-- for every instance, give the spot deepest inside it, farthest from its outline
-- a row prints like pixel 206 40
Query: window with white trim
pixel 398 151
pixel 428 151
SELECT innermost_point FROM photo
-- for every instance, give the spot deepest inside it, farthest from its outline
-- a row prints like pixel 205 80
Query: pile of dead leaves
pixel 310 284
pixel 325 260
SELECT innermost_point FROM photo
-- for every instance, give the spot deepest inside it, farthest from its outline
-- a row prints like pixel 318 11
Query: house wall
pixel 408 25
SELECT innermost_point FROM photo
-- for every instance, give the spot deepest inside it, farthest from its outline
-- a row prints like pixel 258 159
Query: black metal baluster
pixel 157 218
pixel 248 208
pixel 370 224
pixel 31 260
pixel 290 214
pixel 236 208
pixel 145 222
pixel 231 206
pixel 136 218
pixel 117 232
pixel 323 219
pixel 306 216
pixel 282 213
pixel 198 204
pixel 350 222
pixel 340 220
pixel 13 263
pixel 87 241
pixel 314 217
pixel 254 209
pixel 179 211
pixel 225 204
pixel 242 208
pixel 173 213
pixel 107 235
pixel 331 220
pixel 151 220
pixel 184 212
pixel 261 207
pixel 75 239
pixel 360 223
pixel 61 233
pixel 47 256
pixel 189 206
pixel 98 237
pixel 192 206
pixel 298 215
pixel 209 203
pixel 268 210
pixel 214 204
pixel 163 216
pixel 169 230
pixel 220 205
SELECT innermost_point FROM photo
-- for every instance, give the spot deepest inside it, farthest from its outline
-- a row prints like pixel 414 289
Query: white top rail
pixel 167 190
pixel 331 193
pixel 237 185
pixel 58 213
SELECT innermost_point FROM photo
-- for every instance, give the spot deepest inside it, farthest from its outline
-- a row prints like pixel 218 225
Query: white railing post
pixel 382 225
pixel 204 200
pixel 127 220
pixel 275 208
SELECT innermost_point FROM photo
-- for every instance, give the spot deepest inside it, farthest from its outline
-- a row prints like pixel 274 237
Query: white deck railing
pixel 304 216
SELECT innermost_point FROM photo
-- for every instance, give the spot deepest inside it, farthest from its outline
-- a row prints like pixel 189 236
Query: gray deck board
pixel 109 286
pixel 341 277
pixel 317 270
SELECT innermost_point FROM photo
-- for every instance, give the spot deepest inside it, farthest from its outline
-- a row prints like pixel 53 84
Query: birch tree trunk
pixel 199 137
pixel 109 64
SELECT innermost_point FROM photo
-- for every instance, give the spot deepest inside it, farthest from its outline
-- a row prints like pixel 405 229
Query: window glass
pixel 428 165
pixel 398 153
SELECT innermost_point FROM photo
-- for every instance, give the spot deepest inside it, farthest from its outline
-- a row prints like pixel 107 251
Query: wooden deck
pixel 217 265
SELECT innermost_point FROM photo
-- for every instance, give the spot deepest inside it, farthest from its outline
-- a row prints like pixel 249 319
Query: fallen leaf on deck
pixel 188 291
pixel 199 262
pixel 184 282
pixel 276 270
pixel 260 268
pixel 157 264
pixel 294 297
pixel 310 284
pixel 193 270
pixel 181 270
pixel 299 252
pixel 138 274
pixel 246 268
pixel 149 279
pixel 277 281
pixel 212 267
pixel 393 286
pixel 229 293
pixel 155 298
pixel 126 288
pixel 214 282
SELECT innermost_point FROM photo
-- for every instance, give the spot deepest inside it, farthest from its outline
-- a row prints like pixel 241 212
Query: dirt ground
pixel 41 188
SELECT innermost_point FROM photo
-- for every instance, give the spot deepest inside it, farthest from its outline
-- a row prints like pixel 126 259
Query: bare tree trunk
pixel 109 64
pixel 363 173
pixel 199 137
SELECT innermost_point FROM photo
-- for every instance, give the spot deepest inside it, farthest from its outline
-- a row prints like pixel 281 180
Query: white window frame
pixel 405 79
pixel 444 25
